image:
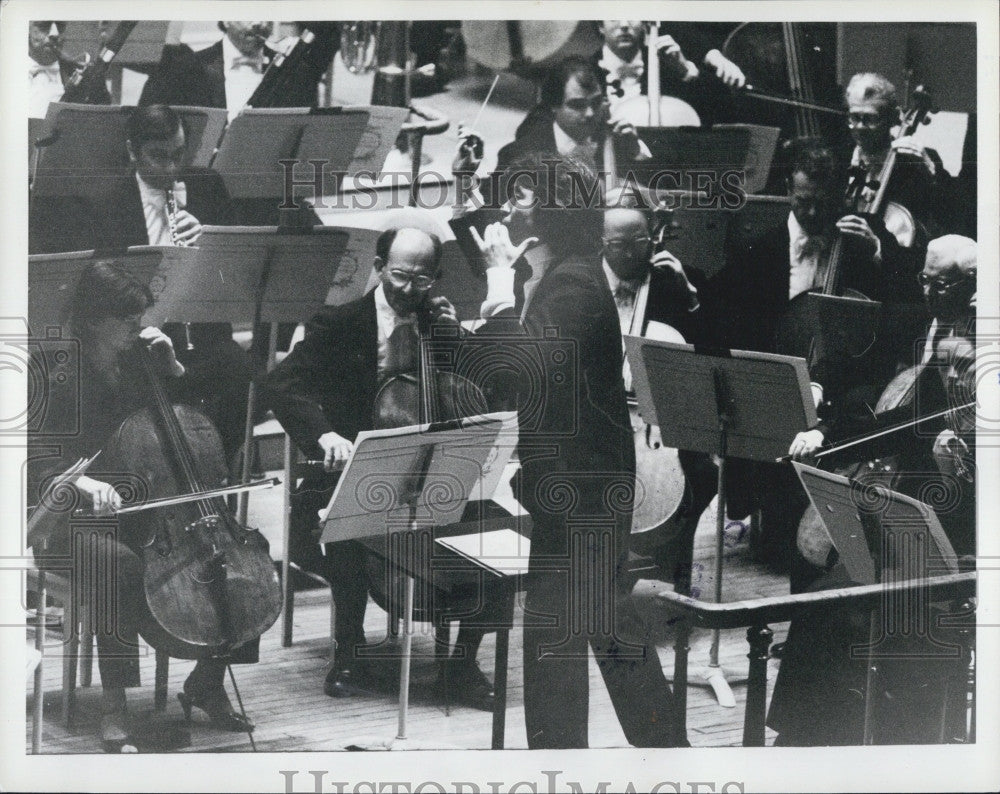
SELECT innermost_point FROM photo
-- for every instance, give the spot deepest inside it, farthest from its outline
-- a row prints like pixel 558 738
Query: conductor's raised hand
pixel 496 247
pixel 470 151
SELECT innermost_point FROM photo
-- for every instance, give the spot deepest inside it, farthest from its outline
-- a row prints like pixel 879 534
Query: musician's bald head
pixel 949 276
pixel 626 242
pixel 408 262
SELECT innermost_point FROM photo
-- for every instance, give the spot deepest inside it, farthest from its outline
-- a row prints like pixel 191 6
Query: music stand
pixel 727 403
pixel 401 480
pixel 341 140
pixel 880 536
pixel 242 273
pixel 78 143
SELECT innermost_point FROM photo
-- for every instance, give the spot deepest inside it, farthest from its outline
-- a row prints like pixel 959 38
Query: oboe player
pixel 131 206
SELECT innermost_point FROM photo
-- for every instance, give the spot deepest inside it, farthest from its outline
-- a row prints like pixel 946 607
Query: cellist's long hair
pixel 106 289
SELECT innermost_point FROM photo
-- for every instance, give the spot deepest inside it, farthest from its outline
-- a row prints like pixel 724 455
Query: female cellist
pixel 106 318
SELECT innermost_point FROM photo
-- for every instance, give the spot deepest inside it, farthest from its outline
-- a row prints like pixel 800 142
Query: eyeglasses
pixel 940 286
pixel 621 243
pixel 865 120
pixel 400 279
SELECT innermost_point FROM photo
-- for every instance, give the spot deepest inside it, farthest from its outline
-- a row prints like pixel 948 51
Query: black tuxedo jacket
pixel 581 429
pixel 111 217
pixel 186 77
pixel 330 379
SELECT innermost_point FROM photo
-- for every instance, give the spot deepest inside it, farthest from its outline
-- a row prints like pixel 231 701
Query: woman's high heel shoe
pixel 215 703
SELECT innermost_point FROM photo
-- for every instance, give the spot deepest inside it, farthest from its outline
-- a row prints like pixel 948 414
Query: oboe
pixel 176 200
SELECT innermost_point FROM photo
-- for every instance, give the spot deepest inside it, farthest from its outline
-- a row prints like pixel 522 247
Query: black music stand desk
pixel 402 480
pixel 727 403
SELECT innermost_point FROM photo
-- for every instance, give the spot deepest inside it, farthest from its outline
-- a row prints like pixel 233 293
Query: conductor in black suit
pixel 323 393
pixel 577 459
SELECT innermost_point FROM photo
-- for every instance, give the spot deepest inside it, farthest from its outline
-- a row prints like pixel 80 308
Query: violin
pixel 210 582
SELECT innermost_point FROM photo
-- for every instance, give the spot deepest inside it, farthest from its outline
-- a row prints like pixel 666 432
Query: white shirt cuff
pixel 499 291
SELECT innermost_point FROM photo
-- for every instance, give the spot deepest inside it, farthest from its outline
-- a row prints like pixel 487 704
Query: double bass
pixel 210 582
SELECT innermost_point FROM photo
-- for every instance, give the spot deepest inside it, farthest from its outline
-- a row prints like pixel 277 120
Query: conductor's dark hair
pixel 106 289
pixel 814 158
pixel 151 123
pixel 554 82
pixel 568 199
pixel 385 240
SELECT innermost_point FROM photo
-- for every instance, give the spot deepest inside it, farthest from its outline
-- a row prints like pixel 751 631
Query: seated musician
pixel 226 74
pixel 819 695
pixel 919 182
pixel 157 200
pixel 106 317
pixel 571 119
pixel 324 394
pixel 757 292
pixel 622 62
pixel 629 263
pixel 48 68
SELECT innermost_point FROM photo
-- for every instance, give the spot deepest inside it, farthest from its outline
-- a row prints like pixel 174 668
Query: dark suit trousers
pixel 573 601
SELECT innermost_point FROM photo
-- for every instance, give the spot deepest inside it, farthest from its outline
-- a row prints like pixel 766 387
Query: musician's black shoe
pixel 345 682
pixel 468 685
pixel 215 703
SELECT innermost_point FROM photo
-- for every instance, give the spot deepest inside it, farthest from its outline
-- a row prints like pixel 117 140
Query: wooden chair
pixel 78 632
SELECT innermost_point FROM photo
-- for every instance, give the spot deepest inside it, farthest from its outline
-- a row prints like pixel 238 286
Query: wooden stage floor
pixel 283 693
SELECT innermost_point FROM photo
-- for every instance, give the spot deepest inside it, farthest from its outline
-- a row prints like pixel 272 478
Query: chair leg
pixel 71 650
pixel 286 537
pixel 86 646
pixel 160 684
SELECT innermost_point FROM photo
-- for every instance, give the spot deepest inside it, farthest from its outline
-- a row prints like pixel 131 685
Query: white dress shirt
pixel 241 81
pixel 625 303
pixel 44 85
pixel 629 75
pixel 388 321
pixel 808 255
pixel 154 209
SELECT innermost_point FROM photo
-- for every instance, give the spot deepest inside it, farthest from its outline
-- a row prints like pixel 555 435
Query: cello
pixel 427 396
pixel 210 582
pixel 798 332
pixel 654 110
